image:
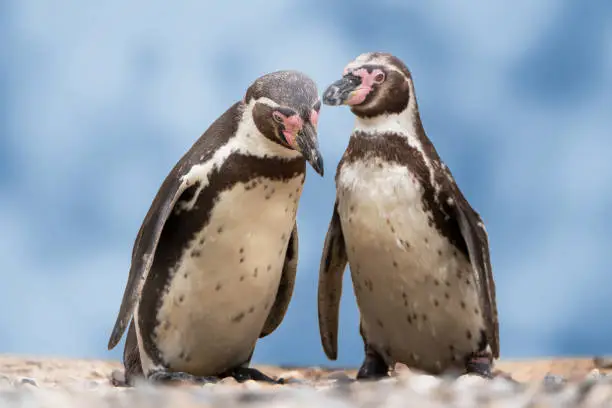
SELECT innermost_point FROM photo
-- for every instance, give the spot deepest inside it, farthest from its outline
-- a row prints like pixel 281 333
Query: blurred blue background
pixel 98 100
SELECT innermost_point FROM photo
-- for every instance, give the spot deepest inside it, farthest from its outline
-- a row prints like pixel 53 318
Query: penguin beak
pixel 308 145
pixel 341 91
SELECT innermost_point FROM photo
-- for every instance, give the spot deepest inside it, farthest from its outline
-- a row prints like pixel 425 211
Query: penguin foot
pixel 373 367
pixel 242 374
pixel 167 377
pixel 479 364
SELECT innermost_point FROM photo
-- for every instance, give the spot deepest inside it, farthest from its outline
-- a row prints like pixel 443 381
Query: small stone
pixel 553 383
pixel 251 385
pixel 117 378
pixel 470 381
pixel 595 374
pixel 228 381
pixel 423 383
pixel 27 380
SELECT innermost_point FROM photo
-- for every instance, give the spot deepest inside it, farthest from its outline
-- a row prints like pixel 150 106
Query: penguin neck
pixel 255 143
pixel 406 124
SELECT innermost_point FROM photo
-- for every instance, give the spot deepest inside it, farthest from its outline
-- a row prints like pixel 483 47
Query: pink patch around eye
pixel 314 117
pixel 367 80
pixel 293 124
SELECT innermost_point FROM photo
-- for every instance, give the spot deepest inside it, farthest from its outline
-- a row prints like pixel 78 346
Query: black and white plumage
pixel 417 251
pixel 214 263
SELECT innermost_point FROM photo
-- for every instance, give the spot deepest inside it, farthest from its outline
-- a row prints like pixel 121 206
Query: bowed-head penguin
pixel 214 262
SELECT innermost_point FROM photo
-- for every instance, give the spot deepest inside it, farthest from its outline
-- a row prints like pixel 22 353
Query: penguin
pixel 214 262
pixel 417 251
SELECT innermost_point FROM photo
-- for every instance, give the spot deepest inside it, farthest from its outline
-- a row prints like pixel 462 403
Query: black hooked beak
pixel 308 145
pixel 340 91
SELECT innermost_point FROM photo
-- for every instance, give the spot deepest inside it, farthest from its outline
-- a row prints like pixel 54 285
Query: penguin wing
pixel 144 248
pixel 333 263
pixel 174 186
pixel 285 287
pixel 477 242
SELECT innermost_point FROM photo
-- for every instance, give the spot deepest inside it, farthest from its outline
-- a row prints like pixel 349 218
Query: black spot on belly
pixel 182 355
pixel 409 319
pixel 242 259
pixel 436 282
pixel 426 240
pixel 436 303
pixel 283 236
pixel 447 295
pixel 241 251
pixel 467 282
pixel 238 317
pixel 195 253
pixel 424 316
pixel 255 273
pixel 219 230
pixel 395 264
pixel 166 325
pixel 185 275
pixel 476 311
pixel 352 208
pixel 202 241
pixel 241 278
pixel 462 304
pixel 447 283
pixel 269 267
pixel 218 287
pixel 181 298
pixel 468 334
pixel 380 323
pixel 439 252
pixel 251 309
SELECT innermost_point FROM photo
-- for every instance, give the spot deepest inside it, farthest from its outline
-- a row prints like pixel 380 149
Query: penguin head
pixel 285 109
pixel 373 84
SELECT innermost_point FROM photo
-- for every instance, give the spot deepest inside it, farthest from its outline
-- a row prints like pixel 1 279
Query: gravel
pixel 81 383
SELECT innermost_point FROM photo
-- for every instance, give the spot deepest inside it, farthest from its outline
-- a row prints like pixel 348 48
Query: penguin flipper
pixel 144 248
pixel 477 242
pixel 333 264
pixel 285 288
pixel 174 186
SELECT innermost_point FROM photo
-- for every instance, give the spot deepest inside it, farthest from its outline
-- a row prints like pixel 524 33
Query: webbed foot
pixel 373 367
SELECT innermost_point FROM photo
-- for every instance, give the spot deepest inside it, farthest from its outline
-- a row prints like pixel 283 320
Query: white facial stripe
pixel 364 59
pixel 402 124
pixel 247 141
pixel 266 101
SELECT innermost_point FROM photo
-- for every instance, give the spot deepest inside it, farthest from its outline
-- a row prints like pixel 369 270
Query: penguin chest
pixel 226 281
pixel 415 291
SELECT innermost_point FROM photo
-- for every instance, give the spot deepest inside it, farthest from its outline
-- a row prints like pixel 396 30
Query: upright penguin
pixel 214 262
pixel 418 252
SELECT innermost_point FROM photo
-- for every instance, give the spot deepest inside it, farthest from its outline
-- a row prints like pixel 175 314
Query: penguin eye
pixel 278 117
pixel 379 77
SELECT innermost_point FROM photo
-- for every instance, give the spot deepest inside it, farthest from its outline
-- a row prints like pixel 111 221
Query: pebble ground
pixel 64 383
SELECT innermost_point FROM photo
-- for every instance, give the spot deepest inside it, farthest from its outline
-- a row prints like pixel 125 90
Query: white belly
pixel 227 281
pixel 414 290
